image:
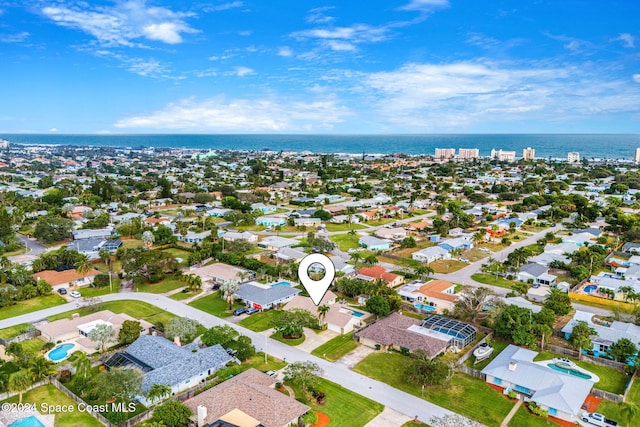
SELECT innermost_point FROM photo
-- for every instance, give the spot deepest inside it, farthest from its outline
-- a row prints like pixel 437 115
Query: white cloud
pixel 245 33
pixel 243 71
pixel 224 6
pixel 14 38
pixel 424 5
pixel 636 78
pixel 241 115
pixel 340 46
pixel 168 32
pixel 146 67
pixel 458 95
pixel 53 130
pixel 573 45
pixel 628 40
pixel 318 16
pixel 285 51
pixel 122 24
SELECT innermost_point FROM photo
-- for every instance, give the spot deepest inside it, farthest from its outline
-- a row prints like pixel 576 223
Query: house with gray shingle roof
pixel 264 297
pixel 165 362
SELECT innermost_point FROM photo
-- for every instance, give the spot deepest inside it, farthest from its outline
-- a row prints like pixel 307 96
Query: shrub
pixel 101 280
pixel 537 410
pixel 48 346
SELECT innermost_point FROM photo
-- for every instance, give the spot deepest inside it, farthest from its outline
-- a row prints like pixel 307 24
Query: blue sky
pixel 306 66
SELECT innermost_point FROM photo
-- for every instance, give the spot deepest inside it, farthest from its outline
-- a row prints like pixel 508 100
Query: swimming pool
pixel 425 307
pixel 61 352
pixel 31 421
pixel 357 314
pixel 282 283
pixel 569 371
pixel 590 288
pixel 450 333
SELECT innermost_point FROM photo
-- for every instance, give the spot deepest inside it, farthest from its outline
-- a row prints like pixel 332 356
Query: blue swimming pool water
pixel 357 314
pixel 425 307
pixel 282 283
pixel 590 288
pixel 573 372
pixel 60 352
pixel 27 422
pixel 448 332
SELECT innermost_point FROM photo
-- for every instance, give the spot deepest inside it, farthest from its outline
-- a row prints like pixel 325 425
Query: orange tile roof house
pixel 435 295
pixel 377 272
pixel 66 278
pixel 248 398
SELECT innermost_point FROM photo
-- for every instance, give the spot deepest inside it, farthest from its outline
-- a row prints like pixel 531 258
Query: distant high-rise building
pixel 503 156
pixel 444 154
pixel 4 143
pixel 529 154
pixel 636 158
pixel 573 157
pixel 468 153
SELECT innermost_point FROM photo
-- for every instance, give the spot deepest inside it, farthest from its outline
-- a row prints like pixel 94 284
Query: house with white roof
pixel 231 236
pixel 560 394
pixel 374 244
pixel 458 243
pixel 606 332
pixel 428 255
pixel 274 243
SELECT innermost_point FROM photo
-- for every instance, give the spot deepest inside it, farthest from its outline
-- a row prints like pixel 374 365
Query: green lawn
pixel 489 279
pixel 166 285
pixel 343 407
pixel 179 253
pixel 524 418
pixel 465 395
pixel 14 331
pixel 104 290
pixel 136 309
pixel 413 424
pixel 634 394
pixel 613 411
pixel 610 379
pixel 336 347
pixel 215 305
pixel 34 345
pixel 131 243
pixel 344 227
pixel 257 362
pixel 381 221
pixel 346 241
pixel 50 395
pixel 33 304
pixel 260 321
pixel 182 295
pixel 292 342
pixel 447 266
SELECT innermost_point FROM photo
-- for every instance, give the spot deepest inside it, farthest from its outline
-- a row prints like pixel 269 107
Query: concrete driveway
pixel 388 418
pixel 351 359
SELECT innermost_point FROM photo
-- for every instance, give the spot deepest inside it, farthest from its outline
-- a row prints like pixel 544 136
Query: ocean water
pixel 602 146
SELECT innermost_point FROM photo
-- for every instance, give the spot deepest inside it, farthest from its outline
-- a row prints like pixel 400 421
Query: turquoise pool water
pixel 590 288
pixel 60 352
pixel 569 371
pixel 31 421
pixel 282 283
pixel 357 314
pixel 425 307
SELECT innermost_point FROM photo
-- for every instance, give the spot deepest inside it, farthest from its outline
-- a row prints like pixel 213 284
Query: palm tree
pixel 195 284
pixel 478 236
pixel 630 411
pixel 228 290
pixel 82 364
pixel 83 266
pixel 41 368
pixel 542 330
pixel 19 382
pixel 158 392
pixel 370 260
pixel 322 312
pixel 355 257
pixel 423 271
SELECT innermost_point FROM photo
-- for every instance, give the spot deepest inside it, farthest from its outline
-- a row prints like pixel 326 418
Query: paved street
pixel 397 400
pixel 33 246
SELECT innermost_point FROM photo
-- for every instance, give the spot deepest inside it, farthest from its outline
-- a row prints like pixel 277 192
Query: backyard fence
pixel 617 398
pixel 79 401
pixel 9 394
pixel 562 350
pixel 20 338
pixel 627 387
pixel 471 371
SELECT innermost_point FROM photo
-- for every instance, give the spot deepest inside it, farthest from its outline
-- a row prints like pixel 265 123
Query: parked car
pixel 597 419
pixel 62 291
pixel 75 294
pixel 270 373
pixel 464 260
pixel 239 311
pixel 215 287
pixel 251 310
pixel 485 249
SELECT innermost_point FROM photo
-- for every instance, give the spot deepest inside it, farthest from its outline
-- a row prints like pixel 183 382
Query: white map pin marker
pixel 316 288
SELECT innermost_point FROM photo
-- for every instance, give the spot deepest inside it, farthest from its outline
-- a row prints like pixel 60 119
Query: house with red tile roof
pixel 374 273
